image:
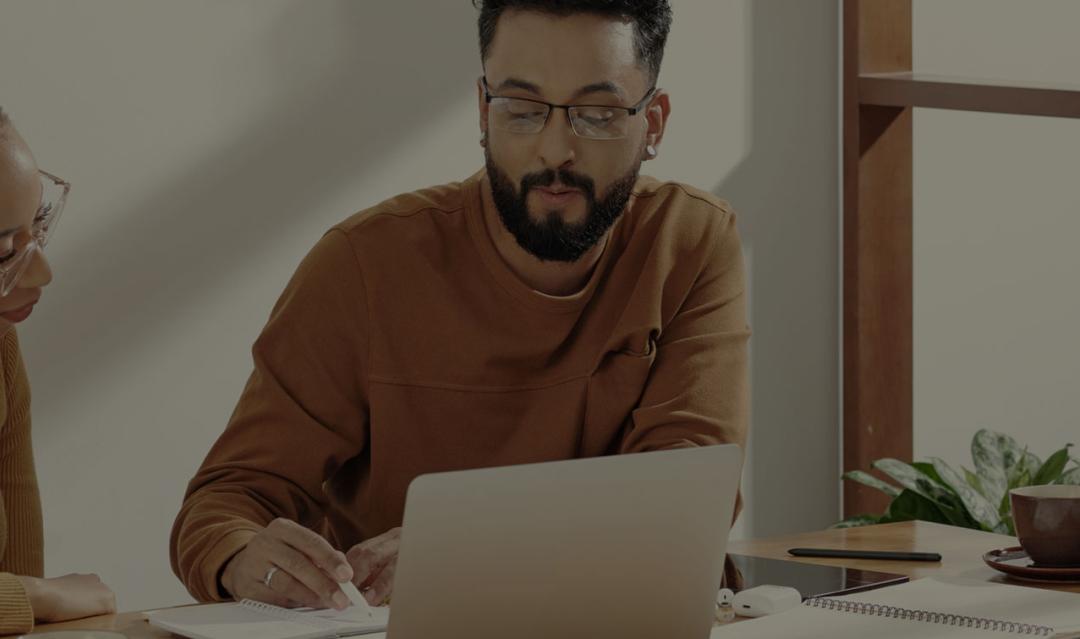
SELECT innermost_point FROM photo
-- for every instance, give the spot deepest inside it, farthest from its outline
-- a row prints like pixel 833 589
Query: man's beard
pixel 553 239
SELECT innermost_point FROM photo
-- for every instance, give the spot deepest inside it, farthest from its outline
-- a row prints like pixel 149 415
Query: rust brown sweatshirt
pixel 405 345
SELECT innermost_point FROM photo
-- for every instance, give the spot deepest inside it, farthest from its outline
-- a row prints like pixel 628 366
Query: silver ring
pixel 269 575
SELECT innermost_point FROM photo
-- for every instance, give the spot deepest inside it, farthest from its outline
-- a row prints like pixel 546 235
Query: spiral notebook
pixel 934 608
pixel 254 620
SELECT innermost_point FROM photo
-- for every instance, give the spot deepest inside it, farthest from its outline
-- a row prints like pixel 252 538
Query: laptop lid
pixel 626 546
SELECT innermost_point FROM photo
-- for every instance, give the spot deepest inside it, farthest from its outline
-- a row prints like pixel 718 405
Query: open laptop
pixel 620 547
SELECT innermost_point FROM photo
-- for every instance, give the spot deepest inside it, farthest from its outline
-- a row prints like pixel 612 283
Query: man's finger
pixel 288 589
pixel 314 578
pixel 268 595
pixel 385 543
pixel 383 585
pixel 317 549
pixel 369 557
pixel 366 565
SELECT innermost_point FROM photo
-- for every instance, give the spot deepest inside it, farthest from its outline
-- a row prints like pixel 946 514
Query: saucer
pixel 1014 562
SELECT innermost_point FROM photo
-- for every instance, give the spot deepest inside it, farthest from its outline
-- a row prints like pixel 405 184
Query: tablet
pixel 811 580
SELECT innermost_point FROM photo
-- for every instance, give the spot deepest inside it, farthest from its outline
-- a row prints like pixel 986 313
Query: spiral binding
pixel 892 612
pixel 285 614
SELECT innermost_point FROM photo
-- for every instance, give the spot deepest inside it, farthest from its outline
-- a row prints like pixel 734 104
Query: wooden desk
pixel 961 551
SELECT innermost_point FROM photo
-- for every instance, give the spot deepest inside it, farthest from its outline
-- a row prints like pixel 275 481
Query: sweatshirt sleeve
pixel 20 502
pixel 16 615
pixel 302 414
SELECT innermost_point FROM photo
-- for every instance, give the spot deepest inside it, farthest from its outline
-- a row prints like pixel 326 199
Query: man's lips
pixel 557 190
pixel 557 196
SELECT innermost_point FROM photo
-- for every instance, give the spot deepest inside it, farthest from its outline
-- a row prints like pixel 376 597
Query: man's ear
pixel 656 117
pixel 483 109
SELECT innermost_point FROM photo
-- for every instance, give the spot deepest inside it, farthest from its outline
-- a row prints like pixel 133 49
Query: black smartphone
pixel 811 580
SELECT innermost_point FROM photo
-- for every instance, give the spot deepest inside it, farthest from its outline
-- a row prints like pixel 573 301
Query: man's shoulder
pixel 412 212
pixel 670 193
pixel 681 209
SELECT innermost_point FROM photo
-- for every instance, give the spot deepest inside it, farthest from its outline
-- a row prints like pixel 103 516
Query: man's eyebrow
pixel 600 87
pixel 8 233
pixel 518 83
pixel 596 87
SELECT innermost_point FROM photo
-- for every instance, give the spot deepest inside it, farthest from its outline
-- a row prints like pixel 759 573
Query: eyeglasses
pixel 522 115
pixel 54 192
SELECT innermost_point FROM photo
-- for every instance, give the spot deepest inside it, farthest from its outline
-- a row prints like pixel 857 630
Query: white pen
pixel 356 598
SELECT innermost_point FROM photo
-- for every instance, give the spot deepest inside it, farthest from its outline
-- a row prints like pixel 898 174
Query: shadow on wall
pixel 786 194
pixel 349 110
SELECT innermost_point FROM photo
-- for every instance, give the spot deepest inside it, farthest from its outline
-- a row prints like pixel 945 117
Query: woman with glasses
pixel 30 204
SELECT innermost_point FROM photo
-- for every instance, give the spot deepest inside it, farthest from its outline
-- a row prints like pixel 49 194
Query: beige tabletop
pixel 961 551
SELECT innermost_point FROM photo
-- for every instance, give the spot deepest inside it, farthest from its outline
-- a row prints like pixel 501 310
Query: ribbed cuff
pixel 16 614
pixel 224 550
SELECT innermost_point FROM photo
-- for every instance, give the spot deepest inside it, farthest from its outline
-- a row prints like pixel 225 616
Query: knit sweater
pixel 405 345
pixel 21 540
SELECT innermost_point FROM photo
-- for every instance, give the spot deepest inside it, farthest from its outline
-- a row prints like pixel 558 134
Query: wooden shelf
pixel 965 94
pixel 879 90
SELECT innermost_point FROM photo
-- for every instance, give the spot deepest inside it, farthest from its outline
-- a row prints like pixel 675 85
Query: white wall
pixel 210 143
pixel 997 217
pixel 786 191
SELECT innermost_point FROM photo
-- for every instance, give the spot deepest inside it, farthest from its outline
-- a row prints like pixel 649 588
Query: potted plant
pixel 934 491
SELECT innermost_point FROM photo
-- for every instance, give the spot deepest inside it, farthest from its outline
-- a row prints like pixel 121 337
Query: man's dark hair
pixel 651 20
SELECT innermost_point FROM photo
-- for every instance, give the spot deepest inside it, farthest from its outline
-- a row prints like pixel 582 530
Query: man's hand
pixel 374 562
pixel 68 597
pixel 288 565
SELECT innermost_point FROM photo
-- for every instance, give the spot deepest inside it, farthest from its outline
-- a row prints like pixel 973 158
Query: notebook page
pixel 374 618
pixel 228 621
pixel 239 621
pixel 968 598
pixel 805 622
pixel 1022 604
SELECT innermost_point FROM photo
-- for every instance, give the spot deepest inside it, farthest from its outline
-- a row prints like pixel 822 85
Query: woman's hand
pixel 68 597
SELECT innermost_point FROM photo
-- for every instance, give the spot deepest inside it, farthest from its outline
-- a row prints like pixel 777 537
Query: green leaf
pixel 1052 469
pixel 929 470
pixel 951 504
pixel 1026 465
pixel 1010 526
pixel 1070 477
pixel 990 466
pixel 911 478
pixel 1001 463
pixel 980 508
pixel 911 505
pixel 856 521
pixel 973 481
pixel 1023 479
pixel 866 479
pixel 916 481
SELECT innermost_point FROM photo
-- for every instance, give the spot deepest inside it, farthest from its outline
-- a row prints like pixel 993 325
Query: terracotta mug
pixel 1047 522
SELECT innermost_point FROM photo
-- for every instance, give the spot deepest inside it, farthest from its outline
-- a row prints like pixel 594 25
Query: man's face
pixel 556 192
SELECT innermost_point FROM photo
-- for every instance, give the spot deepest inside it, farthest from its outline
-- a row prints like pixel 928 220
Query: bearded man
pixel 555 305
